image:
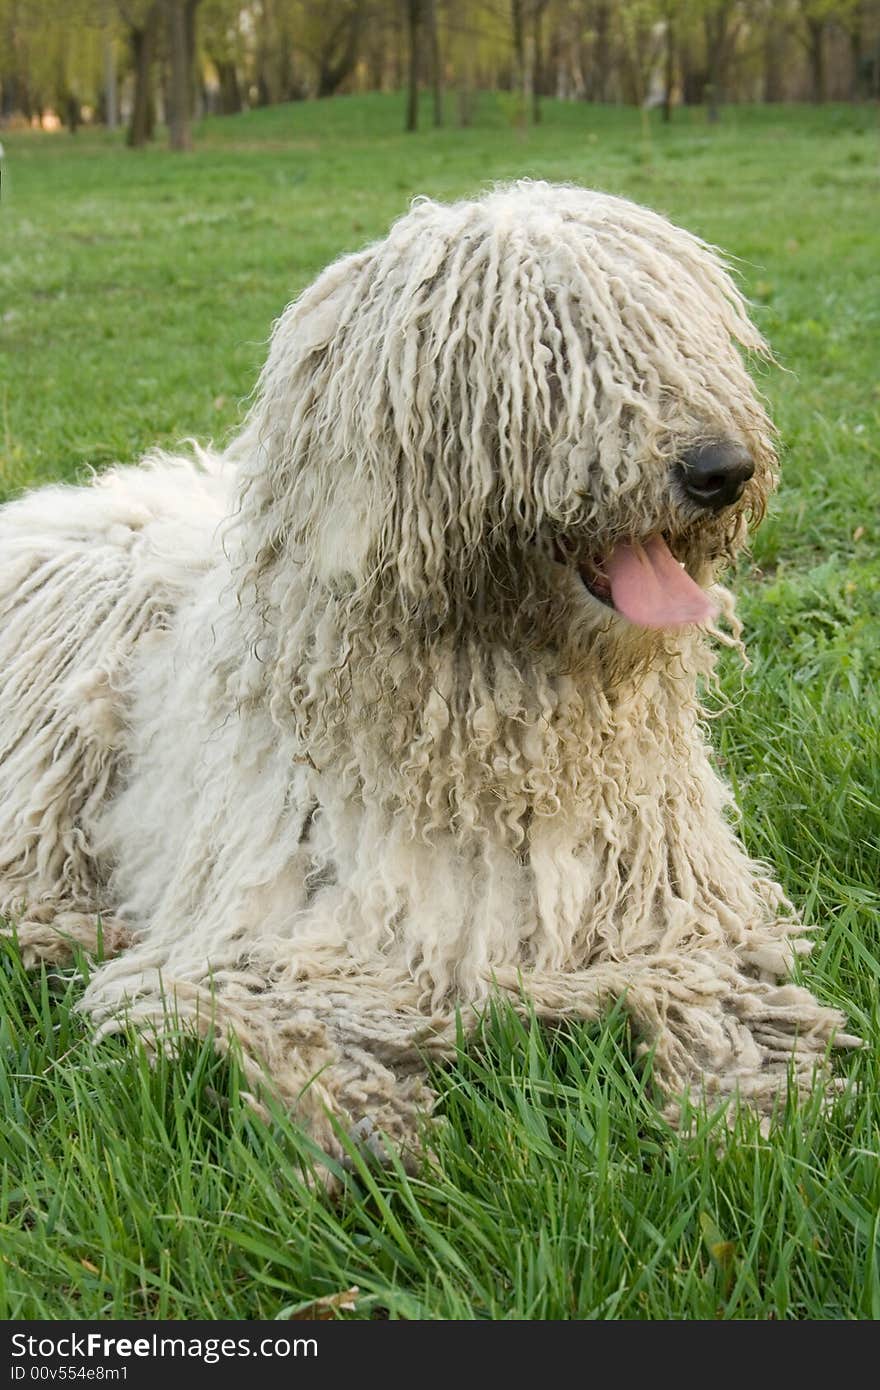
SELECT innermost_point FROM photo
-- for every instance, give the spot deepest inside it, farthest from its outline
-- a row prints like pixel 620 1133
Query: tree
pixel 111 95
pixel 526 17
pixel 330 35
pixel 50 58
pixel 80 58
pixel 815 16
pixel 224 45
pixel 641 42
pixel 815 23
pixel 436 66
pixel 862 25
pixel 775 24
pixel 179 126
pixel 142 20
pixel 601 50
pixel 722 20
pixel 414 34
pixel 669 58
pixel 339 38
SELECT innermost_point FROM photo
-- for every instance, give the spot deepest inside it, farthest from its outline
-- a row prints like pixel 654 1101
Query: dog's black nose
pixel 715 474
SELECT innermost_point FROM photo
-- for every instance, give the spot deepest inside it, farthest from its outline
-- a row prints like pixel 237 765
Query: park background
pixel 137 290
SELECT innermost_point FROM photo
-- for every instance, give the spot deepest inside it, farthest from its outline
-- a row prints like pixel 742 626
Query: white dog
pixel 395 702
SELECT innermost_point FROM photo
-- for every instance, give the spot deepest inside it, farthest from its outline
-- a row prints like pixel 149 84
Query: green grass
pixel 136 294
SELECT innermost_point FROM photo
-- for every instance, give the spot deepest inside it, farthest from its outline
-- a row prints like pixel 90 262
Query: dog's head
pixel 537 398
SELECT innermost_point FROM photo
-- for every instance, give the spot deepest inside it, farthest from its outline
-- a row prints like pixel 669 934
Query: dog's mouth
pixel 642 581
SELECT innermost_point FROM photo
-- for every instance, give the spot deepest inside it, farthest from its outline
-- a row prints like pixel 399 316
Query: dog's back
pixel 86 572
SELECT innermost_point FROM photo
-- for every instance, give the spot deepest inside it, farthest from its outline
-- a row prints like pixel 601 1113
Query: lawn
pixel 136 294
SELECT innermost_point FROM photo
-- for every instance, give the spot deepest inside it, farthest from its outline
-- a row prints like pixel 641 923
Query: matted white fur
pixel 329 730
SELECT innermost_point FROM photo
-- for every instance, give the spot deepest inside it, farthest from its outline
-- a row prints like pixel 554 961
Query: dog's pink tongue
pixel 649 586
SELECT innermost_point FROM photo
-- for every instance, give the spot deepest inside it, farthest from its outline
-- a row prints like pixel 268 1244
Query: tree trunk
pixel 538 7
pixel 194 86
pixel 72 112
pixel 8 94
pixel 286 70
pixel 693 75
pixel 230 90
pixel 338 59
pixel 816 52
pixel 464 63
pixel 10 67
pixel 465 100
pixel 864 56
pixel 143 49
pixel 436 65
pixel 716 20
pixel 414 17
pixel 855 34
pixel 263 59
pixel 332 75
pixel 523 51
pixel 399 49
pixel 519 38
pixel 669 66
pixel 111 104
pixel 774 43
pixel 179 131
pixel 526 18
pixel 601 53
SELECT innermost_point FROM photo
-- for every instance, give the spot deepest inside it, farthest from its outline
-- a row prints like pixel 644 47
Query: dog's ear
pixel 300 481
pixel 310 323
pixel 315 329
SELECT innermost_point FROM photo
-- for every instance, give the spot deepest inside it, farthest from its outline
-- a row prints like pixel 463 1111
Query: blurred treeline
pixel 142 62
